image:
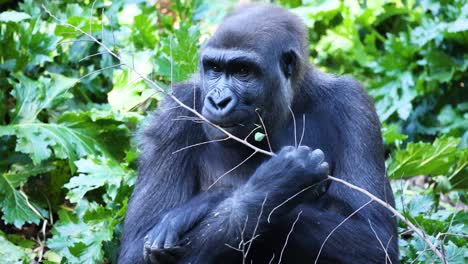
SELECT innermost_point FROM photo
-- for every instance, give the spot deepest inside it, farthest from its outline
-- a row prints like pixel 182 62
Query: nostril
pixel 224 102
pixel 212 102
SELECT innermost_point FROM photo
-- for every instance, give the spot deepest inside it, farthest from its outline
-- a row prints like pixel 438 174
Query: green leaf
pixel 441 67
pixel 424 158
pixel 65 139
pixel 10 253
pixel 390 134
pixel 395 96
pixel 80 239
pixel 454 254
pixel 52 257
pixel 128 93
pixel 178 57
pixel 95 173
pixel 34 96
pixel 15 206
pixel 88 24
pixel 259 136
pixel 13 16
pixel 459 175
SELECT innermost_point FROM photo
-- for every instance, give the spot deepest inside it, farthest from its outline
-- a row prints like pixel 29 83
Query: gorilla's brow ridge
pixel 214 54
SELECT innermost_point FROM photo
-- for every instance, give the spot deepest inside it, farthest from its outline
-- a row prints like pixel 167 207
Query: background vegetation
pixel 69 111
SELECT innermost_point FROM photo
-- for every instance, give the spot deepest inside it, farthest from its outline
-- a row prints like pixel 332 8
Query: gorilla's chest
pixel 225 170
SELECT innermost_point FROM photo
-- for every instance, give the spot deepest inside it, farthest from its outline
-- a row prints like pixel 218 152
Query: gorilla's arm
pixel 168 235
pixel 244 214
pixel 357 150
pixel 166 179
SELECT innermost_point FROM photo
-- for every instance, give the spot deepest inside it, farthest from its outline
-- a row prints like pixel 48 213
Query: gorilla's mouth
pixel 228 125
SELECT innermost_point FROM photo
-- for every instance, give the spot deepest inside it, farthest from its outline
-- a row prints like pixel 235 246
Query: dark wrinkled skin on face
pixel 256 68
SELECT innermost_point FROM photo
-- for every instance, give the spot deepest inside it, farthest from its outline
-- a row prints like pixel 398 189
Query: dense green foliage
pixel 69 111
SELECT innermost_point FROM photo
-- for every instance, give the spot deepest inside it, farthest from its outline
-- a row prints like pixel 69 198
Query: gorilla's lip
pixel 227 125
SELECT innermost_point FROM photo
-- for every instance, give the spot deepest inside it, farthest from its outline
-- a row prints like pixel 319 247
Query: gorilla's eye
pixel 212 66
pixel 241 69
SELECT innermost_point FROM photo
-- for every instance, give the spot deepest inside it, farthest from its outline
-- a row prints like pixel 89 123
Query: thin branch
pixel 251 132
pixel 292 197
pixel 264 129
pixel 272 258
pixel 201 143
pixel 387 257
pixel 394 211
pixel 92 55
pixel 172 63
pixel 338 226
pixel 443 237
pixel 303 129
pixel 30 205
pixel 232 247
pixel 295 128
pixel 287 237
pixel 74 40
pixel 102 25
pixel 91 17
pixel 112 30
pixel 102 69
pixel 388 243
pixel 256 227
pixel 235 167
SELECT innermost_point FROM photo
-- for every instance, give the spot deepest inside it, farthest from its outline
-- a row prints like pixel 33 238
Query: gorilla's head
pixel 254 62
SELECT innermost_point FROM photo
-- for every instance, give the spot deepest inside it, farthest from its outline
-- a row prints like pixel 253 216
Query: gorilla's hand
pixel 163 243
pixel 292 170
pixel 168 240
pixel 302 164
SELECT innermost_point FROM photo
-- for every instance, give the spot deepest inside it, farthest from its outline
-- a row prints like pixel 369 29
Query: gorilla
pixel 202 197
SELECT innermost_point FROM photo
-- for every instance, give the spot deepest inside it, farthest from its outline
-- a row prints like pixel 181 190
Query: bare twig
pixel 292 197
pixel 74 41
pixel 91 17
pixel 295 128
pixel 235 167
pixel 102 69
pixel 388 243
pixel 303 129
pixel 201 143
pixel 32 207
pixel 92 55
pixel 338 226
pixel 387 257
pixel 287 237
pixel 256 227
pixel 253 130
pixel 394 211
pixel 272 258
pixel 264 129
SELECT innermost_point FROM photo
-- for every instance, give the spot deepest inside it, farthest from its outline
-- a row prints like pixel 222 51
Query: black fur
pixel 257 61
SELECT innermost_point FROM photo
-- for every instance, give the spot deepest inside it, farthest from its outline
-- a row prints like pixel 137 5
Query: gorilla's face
pixel 234 84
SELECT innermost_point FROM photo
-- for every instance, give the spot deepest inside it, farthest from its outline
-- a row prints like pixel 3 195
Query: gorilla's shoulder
pixel 349 92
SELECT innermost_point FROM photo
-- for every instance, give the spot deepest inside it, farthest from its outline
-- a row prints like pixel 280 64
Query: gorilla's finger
pixel 158 241
pixel 323 168
pixel 171 240
pixel 317 156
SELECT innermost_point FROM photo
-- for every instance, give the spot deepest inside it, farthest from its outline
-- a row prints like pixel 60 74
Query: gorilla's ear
pixel 289 62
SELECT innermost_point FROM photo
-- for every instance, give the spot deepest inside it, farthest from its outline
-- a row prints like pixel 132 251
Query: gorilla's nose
pixel 220 102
